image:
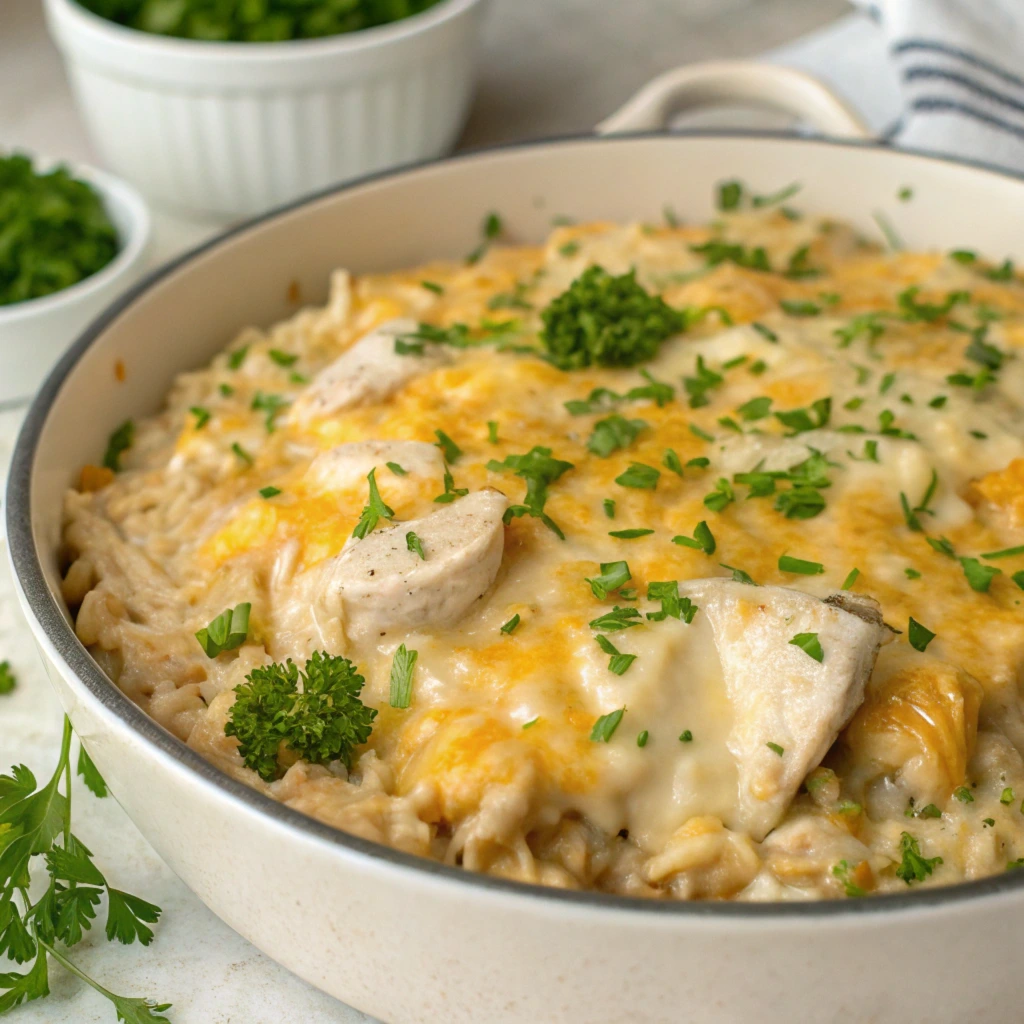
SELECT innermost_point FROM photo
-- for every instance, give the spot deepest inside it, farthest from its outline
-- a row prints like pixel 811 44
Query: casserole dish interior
pixel 187 311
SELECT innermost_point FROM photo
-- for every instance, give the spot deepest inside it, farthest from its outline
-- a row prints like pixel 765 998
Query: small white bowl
pixel 231 129
pixel 34 333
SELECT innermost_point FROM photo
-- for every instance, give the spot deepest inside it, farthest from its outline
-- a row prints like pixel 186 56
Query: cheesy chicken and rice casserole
pixel 513 564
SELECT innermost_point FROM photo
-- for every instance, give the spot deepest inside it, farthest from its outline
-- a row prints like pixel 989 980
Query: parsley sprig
pixel 539 470
pixel 323 721
pixel 36 822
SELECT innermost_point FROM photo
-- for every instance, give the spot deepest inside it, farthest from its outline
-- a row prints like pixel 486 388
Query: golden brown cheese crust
pixel 183 533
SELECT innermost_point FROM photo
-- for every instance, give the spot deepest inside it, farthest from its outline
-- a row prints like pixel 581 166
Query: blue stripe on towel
pixel 919 73
pixel 936 104
pixel 928 45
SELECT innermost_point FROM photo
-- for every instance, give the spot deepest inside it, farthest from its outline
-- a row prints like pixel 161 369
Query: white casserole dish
pixel 412 940
pixel 231 129
pixel 34 333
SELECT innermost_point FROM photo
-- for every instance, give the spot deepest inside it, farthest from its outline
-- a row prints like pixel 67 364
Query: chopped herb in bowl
pixel 254 21
pixel 54 231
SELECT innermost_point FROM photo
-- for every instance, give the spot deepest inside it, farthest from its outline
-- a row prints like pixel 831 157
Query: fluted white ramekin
pixel 232 129
pixel 35 333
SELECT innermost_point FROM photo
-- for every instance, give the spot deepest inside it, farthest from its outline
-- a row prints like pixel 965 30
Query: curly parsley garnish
pixel 606 321
pixel 324 722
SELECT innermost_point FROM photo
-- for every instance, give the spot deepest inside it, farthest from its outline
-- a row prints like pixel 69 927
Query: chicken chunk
pixel 369 371
pixel 788 706
pixel 377 584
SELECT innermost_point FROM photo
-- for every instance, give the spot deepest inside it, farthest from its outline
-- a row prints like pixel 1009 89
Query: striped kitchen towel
pixel 961 69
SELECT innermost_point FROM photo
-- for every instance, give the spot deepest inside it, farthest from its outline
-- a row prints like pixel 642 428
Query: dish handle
pixel 713 83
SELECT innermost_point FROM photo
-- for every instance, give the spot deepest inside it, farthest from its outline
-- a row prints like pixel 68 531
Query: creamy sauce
pixel 493 765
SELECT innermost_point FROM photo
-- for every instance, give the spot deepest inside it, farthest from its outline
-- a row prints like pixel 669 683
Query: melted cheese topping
pixel 493 764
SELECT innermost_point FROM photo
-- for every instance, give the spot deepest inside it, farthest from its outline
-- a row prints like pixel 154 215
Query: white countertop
pixel 551 66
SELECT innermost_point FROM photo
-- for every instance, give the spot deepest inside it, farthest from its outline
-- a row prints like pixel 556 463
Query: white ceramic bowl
pixel 34 333
pixel 408 939
pixel 232 129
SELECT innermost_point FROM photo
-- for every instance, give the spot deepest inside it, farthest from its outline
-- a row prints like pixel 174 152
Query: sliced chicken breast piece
pixel 780 694
pixel 377 584
pixel 367 372
pixel 348 464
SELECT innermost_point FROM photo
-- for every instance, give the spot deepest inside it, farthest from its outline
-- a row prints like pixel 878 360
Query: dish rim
pixel 49 619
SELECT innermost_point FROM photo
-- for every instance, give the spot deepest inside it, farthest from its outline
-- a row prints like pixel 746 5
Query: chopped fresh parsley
pixel 809 644
pixel 787 563
pixel 269 492
pixel 120 441
pixel 850 579
pixel 775 748
pixel 914 867
pixel 1005 553
pixel 702 539
pixel 613 433
pixel 282 358
pixel 919 636
pixel 632 534
pixel 964 795
pixel 755 409
pixel 686 736
pixel 640 476
pixel 325 721
pixel 738 575
pixel 609 507
pixel 721 496
pixel 449 448
pixel 451 492
pixel 800 307
pixel 236 358
pixel 242 454
pixel 1006 797
pixel 729 195
pixel 766 332
pixel 397 469
pixel 269 404
pixel 672 605
pixel 618 618
pixel 492 431
pixel 618 663
pixel 641 740
pixel 202 416
pixel 801 420
pixel 8 681
pixel 606 321
pixel 402 665
pixel 942 546
pixel 373 511
pixel 432 286
pixel 226 632
pixel 671 461
pixel 510 627
pixel 843 872
pixel 413 543
pixel 613 575
pixel 701 383
pixel 604 728
pixel 978 576
pixel 539 470
pixel 927 312
pixel 490 229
